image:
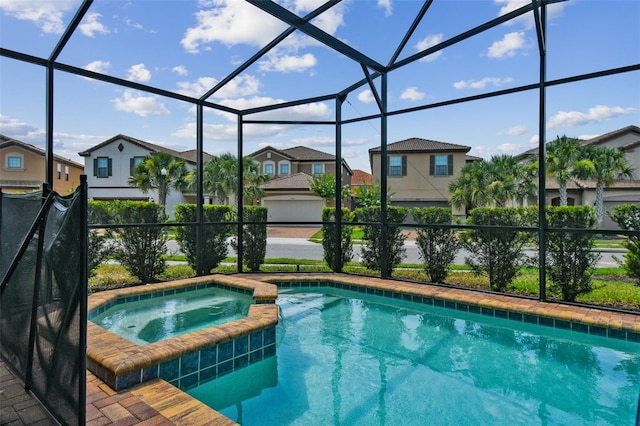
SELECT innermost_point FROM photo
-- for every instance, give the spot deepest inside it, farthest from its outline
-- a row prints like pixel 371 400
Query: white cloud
pixel 553 10
pixel 228 132
pixel 140 104
pixel 412 94
pixel 98 66
pixel 287 63
pixel 242 85
pixel 515 130
pixel 595 114
pixel 481 84
pixel 14 128
pixel 231 22
pixel 90 25
pixel 508 46
pixel 48 16
pixel 180 70
pixel 366 96
pixel 427 42
pixel 139 73
pixel 315 141
pixel 386 5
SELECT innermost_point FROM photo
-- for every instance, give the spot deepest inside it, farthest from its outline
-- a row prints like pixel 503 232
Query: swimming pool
pixel 349 358
pixel 159 317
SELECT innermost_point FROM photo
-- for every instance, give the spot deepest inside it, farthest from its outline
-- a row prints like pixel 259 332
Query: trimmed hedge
pixel 254 237
pixel 394 243
pixel 330 243
pixel 437 246
pixel 627 217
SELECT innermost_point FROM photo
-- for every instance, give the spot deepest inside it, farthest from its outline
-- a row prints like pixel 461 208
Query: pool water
pixel 159 318
pixel 349 359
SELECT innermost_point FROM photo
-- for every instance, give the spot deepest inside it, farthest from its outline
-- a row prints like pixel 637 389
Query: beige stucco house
pixel 583 192
pixel 419 171
pixel 22 169
pixel 288 194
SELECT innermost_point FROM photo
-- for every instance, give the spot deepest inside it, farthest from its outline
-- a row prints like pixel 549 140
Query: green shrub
pixel 372 251
pixel 254 237
pixel 330 243
pixel 497 252
pixel 214 248
pixel 100 248
pixel 627 217
pixel 437 246
pixel 140 249
pixel 570 261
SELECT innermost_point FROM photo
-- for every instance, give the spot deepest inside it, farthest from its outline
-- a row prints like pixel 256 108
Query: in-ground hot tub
pixel 189 359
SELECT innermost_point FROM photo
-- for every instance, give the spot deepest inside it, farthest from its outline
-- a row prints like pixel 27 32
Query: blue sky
pixel 188 46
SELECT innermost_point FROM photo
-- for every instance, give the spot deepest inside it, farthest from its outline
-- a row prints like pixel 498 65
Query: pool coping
pixel 122 364
pixel 148 391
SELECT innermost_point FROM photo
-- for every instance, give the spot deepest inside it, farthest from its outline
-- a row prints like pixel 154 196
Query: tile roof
pixel 421 145
pixel 360 177
pixel 6 141
pixel 299 181
pixel 304 153
pixel 188 155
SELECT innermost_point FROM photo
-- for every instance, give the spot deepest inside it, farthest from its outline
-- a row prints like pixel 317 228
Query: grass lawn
pixel 611 287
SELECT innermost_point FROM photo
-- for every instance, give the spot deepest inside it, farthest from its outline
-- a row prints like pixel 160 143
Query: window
pixel 133 162
pixel 441 165
pixel 268 168
pixel 102 167
pixel 318 169
pixel 59 170
pixel 66 173
pixel 14 162
pixel 284 168
pixel 397 165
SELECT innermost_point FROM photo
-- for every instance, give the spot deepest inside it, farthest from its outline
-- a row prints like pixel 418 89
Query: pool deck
pixel 159 403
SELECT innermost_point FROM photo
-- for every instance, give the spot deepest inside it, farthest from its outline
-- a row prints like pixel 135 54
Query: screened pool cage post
pixel 337 260
pixel 542 168
pixel 83 298
pixel 239 198
pixel 199 190
pixel 384 161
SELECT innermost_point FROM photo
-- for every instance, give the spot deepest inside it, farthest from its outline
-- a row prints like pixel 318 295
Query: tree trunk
pixel 599 204
pixel 563 193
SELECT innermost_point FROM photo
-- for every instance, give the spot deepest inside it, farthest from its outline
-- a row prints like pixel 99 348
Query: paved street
pixel 301 248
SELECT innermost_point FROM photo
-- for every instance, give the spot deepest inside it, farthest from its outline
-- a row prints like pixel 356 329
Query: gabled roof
pixel 416 145
pixel 297 181
pixel 302 154
pixel 6 141
pixel 597 140
pixel 360 177
pixel 189 155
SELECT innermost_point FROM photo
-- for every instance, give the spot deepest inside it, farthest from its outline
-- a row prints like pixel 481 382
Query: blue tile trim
pixel 199 367
pixel 577 327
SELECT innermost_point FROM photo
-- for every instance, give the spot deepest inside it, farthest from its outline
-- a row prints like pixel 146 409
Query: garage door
pixel 294 210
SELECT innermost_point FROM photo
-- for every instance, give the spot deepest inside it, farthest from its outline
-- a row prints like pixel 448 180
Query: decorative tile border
pixel 595 329
pixel 190 359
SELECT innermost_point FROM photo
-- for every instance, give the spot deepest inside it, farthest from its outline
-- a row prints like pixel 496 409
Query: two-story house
pixel 110 164
pixel 22 169
pixel 583 192
pixel 419 171
pixel 288 194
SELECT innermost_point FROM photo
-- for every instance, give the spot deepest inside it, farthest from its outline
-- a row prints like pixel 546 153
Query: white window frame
pixel 438 167
pixel 13 155
pixel 313 168
pixel 284 163
pixel 273 168
pixel 106 167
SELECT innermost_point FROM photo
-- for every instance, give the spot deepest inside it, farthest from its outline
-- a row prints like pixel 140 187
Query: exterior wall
pixel 32 175
pixel 116 186
pixel 418 187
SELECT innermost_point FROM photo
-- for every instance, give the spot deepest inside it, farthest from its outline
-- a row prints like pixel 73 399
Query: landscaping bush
pixel 140 249
pixel 498 252
pixel 214 249
pixel 570 261
pixel 627 217
pixel 100 248
pixel 330 241
pixel 254 237
pixel 437 246
pixel 373 243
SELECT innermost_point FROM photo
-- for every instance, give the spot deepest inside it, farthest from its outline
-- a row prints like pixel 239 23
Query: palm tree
pixel 608 166
pixel 565 161
pixel 494 182
pixel 220 178
pixel 160 171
